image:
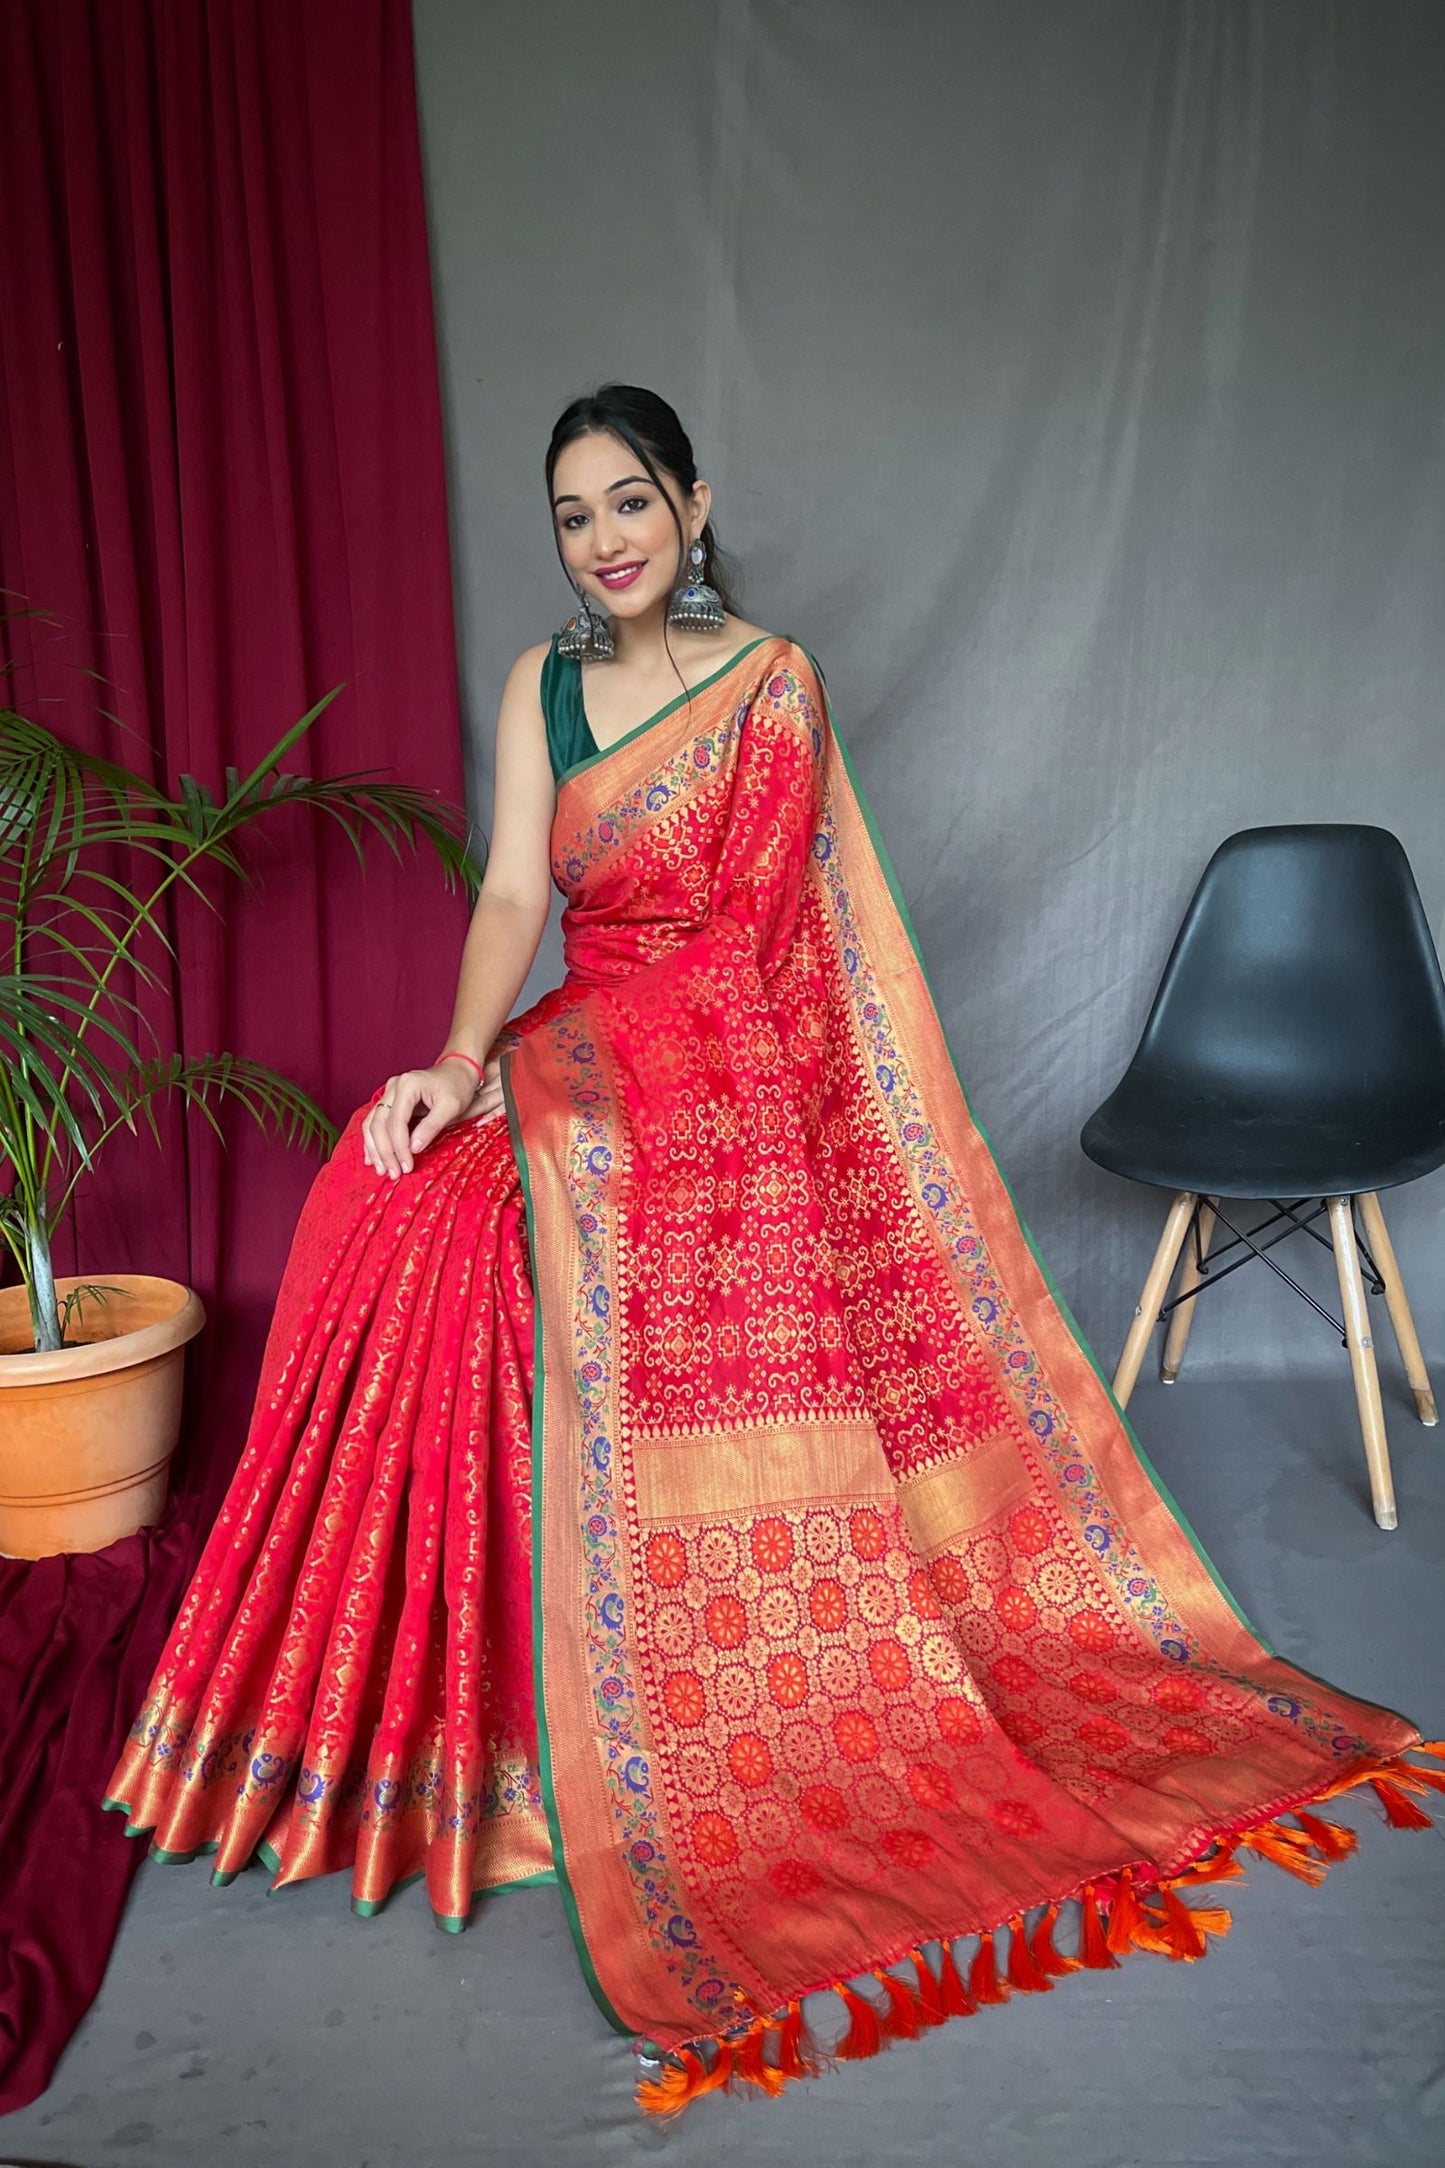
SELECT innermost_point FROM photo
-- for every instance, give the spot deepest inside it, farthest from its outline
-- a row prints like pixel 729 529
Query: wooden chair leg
pixel 1161 1272
pixel 1362 1361
pixel 1383 1251
pixel 1181 1317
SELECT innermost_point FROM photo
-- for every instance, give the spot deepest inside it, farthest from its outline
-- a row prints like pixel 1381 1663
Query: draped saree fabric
pixel 349 1681
pixel 857 1622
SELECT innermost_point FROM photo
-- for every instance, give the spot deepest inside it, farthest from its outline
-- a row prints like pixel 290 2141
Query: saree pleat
pixel 349 1681
pixel 694 1490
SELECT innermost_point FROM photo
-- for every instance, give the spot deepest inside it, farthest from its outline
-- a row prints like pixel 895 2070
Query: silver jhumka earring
pixel 693 603
pixel 586 636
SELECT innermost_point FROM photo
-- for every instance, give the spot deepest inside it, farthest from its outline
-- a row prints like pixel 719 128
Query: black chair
pixel 1294 1055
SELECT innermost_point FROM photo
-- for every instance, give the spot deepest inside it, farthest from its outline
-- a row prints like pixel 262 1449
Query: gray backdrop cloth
pixel 1068 377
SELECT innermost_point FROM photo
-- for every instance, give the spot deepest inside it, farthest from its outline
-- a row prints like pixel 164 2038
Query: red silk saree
pixel 692 1489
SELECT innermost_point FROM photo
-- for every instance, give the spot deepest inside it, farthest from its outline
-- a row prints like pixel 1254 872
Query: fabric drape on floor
pixel 221 480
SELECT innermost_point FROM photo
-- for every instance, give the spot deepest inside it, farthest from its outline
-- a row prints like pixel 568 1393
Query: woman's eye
pixel 574 519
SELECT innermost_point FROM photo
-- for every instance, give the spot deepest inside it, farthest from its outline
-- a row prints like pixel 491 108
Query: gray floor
pixel 237 2030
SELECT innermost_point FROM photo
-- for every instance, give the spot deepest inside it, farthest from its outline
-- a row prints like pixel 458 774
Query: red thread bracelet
pixel 455 1054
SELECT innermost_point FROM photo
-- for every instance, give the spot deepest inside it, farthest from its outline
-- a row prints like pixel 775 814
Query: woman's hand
pixel 448 1091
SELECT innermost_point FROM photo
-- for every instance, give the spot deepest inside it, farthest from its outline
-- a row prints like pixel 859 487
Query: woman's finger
pixel 368 1145
pixel 391 1129
pixel 489 1101
pixel 408 1098
pixel 368 1140
pixel 437 1118
pixel 380 1150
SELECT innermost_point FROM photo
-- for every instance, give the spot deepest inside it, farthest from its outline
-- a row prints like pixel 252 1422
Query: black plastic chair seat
pixel 1186 1139
pixel 1296 1044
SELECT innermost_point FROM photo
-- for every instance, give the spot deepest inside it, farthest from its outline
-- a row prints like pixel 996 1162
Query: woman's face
pixel 611 518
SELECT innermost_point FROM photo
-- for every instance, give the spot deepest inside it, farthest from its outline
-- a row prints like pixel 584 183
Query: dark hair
pixel 644 422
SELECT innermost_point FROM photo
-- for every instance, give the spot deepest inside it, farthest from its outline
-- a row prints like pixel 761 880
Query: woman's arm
pixel 502 940
pixel 511 911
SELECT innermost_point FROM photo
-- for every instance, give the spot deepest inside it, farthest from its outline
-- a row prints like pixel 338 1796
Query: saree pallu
pixel 696 1492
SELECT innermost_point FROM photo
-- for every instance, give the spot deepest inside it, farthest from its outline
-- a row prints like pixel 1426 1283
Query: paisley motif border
pixel 592 1172
pixel 608 833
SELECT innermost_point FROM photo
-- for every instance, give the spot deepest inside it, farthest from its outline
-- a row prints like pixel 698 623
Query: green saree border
pixel 539 1694
pixel 453 1923
pixel 450 1923
pixel 886 865
pixel 605 752
pixel 365 1908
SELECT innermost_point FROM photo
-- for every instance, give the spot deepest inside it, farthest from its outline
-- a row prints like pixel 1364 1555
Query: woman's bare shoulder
pixel 527 669
pixel 520 713
pixel 747 634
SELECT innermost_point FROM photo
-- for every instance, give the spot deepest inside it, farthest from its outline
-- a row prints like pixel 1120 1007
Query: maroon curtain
pixel 221 478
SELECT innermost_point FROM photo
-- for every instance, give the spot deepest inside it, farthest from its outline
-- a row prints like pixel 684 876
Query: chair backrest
pixel 1305 971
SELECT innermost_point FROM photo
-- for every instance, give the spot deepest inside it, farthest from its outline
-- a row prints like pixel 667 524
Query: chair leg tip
pixel 1168 1377
pixel 1426 1409
pixel 1386 1517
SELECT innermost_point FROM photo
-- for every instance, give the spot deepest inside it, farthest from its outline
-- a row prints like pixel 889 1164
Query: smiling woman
pixel 691 1488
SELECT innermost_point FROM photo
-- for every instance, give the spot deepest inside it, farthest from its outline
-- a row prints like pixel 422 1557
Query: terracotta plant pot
pixel 87 1434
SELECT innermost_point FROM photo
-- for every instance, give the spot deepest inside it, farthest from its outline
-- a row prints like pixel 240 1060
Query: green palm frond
pixel 34 1025
pixel 12 1229
pixel 72 1067
pixel 88 1291
pixel 273 1101
pixel 397 812
pixel 53 789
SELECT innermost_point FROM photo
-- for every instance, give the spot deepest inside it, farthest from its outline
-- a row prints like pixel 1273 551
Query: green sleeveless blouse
pixel 569 735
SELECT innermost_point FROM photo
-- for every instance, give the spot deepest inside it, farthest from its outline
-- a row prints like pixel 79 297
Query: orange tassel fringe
pixel 1287 1848
pixel 1094 1951
pixel 1330 1839
pixel 930 2002
pixel 1023 1966
pixel 1046 1956
pixel 1401 1811
pixel 748 2063
pixel 956 1999
pixel 1126 1916
pixel 1223 1867
pixel 900 2019
pixel 797 2055
pixel 1174 1931
pixel 984 1983
pixel 679 2086
pixel 864 2036
pixel 1158 1921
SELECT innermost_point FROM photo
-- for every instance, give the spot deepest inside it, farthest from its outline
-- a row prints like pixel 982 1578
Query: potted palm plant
pixel 91 1367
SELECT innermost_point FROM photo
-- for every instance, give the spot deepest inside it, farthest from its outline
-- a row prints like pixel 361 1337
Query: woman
pixel 671 1473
